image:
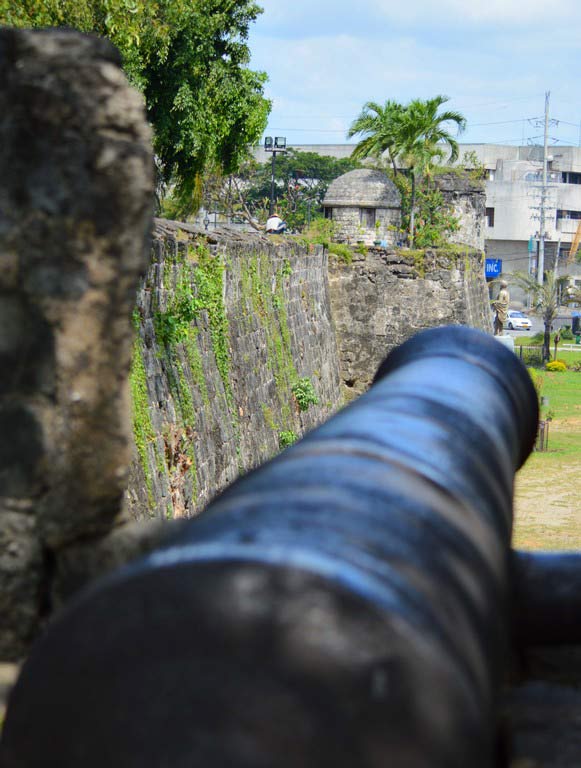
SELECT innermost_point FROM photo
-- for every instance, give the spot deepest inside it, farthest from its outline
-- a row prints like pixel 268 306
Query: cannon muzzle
pixel 344 605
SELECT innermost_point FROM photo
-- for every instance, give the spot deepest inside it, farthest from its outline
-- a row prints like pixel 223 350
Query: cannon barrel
pixel 346 604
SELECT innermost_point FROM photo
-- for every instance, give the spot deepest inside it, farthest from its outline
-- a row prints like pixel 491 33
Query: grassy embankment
pixel 548 487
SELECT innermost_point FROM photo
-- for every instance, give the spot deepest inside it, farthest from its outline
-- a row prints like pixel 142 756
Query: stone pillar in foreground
pixel 76 182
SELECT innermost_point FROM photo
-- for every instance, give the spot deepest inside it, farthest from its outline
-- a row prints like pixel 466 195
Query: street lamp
pixel 274 146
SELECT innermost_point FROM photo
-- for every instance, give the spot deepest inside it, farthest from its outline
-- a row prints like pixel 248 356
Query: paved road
pixel 538 326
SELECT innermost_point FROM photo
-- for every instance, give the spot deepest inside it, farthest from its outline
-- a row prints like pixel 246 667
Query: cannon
pixel 346 604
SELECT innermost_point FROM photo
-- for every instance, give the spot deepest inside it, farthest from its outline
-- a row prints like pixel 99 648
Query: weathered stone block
pixel 21 582
pixel 75 211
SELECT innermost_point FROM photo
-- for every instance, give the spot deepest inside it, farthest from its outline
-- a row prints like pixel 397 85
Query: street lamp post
pixel 274 146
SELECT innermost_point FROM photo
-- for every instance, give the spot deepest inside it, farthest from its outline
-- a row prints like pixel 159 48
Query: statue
pixel 501 307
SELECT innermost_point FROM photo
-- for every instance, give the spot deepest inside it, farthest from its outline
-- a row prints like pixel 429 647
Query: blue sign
pixel 493 267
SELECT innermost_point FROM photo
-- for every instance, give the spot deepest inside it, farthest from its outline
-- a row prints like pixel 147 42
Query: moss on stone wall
pixel 143 431
pixel 196 366
pixel 424 260
pixel 208 275
pixel 418 257
pixel 269 307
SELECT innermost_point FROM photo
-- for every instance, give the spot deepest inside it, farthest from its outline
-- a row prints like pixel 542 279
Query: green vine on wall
pixel 209 280
pixel 199 287
pixel 193 280
pixel 143 431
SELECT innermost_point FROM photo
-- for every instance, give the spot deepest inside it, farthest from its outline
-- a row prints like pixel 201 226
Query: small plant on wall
pixel 286 438
pixel 304 394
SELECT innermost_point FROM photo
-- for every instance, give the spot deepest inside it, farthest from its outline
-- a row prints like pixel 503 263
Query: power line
pixel 504 122
pixel 346 117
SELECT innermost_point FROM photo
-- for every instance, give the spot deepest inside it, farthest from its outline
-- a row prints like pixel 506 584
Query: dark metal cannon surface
pixel 346 604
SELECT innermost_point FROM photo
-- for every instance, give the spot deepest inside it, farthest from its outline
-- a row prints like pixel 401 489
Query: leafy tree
pixel 414 135
pixel 189 58
pixel 301 181
pixel 422 137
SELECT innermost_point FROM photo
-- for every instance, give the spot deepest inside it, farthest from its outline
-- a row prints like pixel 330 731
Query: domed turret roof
pixel 363 188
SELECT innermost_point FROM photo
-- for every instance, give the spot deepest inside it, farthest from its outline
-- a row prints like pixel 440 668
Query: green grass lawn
pixel 548 487
pixel 568 357
pixel 563 392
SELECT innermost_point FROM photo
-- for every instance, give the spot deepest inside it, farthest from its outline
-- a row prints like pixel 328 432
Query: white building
pixel 514 191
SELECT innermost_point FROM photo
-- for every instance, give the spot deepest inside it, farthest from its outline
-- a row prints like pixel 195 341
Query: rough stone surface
pixel 350 228
pixel 384 297
pixel 363 187
pixel 356 190
pixel 22 566
pixel 467 198
pixel 75 211
pixel 276 302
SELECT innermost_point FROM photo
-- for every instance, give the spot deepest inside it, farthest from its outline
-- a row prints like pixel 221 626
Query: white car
pixel 517 321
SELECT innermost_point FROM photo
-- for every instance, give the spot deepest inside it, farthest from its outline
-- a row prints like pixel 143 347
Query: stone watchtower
pixel 365 206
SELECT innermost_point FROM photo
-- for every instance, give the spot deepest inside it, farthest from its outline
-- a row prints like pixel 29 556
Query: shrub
pixel 556 366
pixel 538 338
pixel 304 393
pixel 575 366
pixel 343 252
pixel 286 438
pixel 320 232
pixel 566 333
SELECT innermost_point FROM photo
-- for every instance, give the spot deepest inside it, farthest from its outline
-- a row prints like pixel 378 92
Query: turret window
pixel 367 217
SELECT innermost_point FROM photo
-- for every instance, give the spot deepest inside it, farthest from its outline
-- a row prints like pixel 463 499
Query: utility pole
pixel 278 146
pixel 557 257
pixel 544 191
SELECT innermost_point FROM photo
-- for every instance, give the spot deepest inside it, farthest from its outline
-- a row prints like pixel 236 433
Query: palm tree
pixel 423 138
pixel 545 299
pixel 379 126
pixel 414 133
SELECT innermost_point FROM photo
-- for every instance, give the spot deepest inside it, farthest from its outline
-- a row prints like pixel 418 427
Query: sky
pixel 494 59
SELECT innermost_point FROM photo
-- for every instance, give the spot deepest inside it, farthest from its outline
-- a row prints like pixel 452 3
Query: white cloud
pixel 454 12
pixel 327 17
pixel 324 62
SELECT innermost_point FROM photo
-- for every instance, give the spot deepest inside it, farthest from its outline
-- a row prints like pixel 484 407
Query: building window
pixel 571 177
pixel 328 213
pixel 489 217
pixel 562 214
pixel 367 217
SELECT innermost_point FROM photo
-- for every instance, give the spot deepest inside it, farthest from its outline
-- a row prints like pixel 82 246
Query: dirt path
pixel 548 500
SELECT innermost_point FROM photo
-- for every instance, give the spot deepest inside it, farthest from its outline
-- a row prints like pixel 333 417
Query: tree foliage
pixel 545 299
pixel 380 128
pixel 300 184
pixel 414 135
pixel 301 180
pixel 189 58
